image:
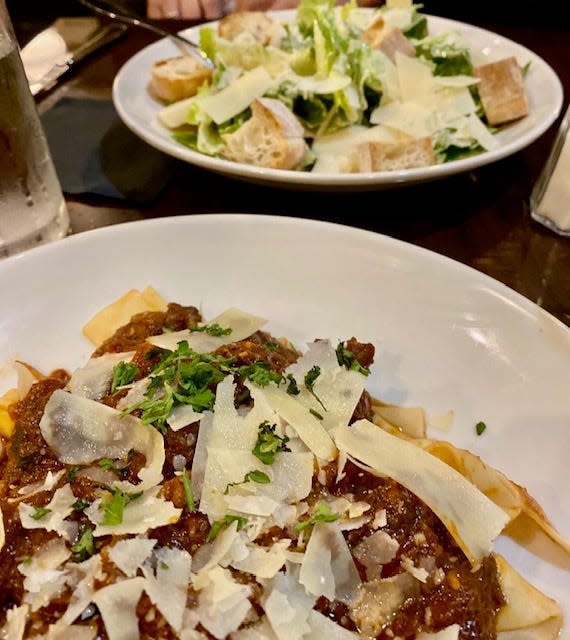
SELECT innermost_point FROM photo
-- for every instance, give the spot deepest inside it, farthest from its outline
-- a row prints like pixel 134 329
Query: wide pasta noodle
pixel 283 504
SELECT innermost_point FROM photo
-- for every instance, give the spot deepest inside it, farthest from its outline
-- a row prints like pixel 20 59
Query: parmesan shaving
pixel 242 325
pixel 80 431
pixel 54 519
pixel 471 518
pixel 117 604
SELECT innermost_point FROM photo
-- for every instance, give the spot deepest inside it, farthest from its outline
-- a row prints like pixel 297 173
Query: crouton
pixel 375 155
pixel 177 78
pixel 387 39
pixel 272 137
pixel 502 90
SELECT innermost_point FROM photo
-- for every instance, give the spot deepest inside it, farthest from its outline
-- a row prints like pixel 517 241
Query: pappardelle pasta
pixel 201 478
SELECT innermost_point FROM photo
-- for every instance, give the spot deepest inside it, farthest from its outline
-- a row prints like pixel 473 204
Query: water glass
pixel 32 207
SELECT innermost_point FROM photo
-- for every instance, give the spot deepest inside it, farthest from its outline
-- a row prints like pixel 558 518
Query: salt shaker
pixel 32 207
pixel 550 198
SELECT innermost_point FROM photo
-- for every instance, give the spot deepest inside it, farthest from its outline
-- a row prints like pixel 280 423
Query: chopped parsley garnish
pixel 310 379
pixel 113 508
pixel 213 329
pixel 346 358
pixel 259 373
pixel 322 514
pixel 39 513
pixel 163 565
pixel 272 346
pixel 317 415
pixel 251 476
pixel 218 525
pixel 480 427
pixel 123 373
pixel 185 376
pixel 268 443
pixel 188 493
pixel 71 473
pixel 292 387
pixel 182 377
pixel 84 548
pixel 80 504
pixel 109 465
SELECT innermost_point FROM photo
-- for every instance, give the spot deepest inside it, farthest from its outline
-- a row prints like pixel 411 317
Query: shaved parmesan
pixel 167 586
pixel 322 627
pixel 328 568
pixel 471 518
pixel 288 605
pixel 94 379
pixel 139 515
pixel 15 626
pixel 130 554
pixel 449 633
pixel 263 562
pixel 80 431
pixel 222 603
pixel 82 577
pixel 44 579
pixel 242 325
pixel 54 519
pixel 308 428
pixel 117 604
pixel 47 484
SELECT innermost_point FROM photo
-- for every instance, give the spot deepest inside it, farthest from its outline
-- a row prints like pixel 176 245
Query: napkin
pixel 95 153
pixel 550 199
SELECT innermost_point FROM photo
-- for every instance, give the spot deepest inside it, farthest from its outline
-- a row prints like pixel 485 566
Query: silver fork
pixel 109 9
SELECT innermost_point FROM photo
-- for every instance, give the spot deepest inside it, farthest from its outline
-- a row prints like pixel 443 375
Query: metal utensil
pixel 109 9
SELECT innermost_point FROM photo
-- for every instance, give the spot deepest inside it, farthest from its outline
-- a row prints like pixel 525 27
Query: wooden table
pixel 480 218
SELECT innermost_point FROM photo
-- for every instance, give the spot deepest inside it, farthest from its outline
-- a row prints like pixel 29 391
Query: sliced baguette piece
pixel 177 78
pixel 264 29
pixel 272 137
pixel 502 90
pixel 387 39
pixel 375 155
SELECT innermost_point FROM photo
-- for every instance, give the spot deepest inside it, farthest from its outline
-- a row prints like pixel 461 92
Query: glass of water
pixel 32 207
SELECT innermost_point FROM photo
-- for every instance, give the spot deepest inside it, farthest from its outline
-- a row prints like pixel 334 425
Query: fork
pixel 109 9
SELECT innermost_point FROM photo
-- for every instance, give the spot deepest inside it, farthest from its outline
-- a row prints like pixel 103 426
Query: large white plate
pixel 139 110
pixel 447 336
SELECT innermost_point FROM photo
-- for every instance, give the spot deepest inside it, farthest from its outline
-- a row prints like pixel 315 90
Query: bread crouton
pixel 387 39
pixel 272 137
pixel 502 90
pixel 263 28
pixel 177 78
pixel 392 156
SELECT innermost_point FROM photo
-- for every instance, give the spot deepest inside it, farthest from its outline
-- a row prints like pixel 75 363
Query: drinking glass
pixel 32 207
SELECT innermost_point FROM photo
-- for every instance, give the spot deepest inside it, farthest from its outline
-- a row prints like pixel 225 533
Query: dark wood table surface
pixel 480 218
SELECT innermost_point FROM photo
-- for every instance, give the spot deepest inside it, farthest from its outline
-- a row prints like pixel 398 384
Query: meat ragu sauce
pixel 452 594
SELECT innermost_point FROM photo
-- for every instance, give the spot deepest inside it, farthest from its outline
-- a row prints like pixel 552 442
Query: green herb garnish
pixel 218 525
pixel 114 507
pixel 84 547
pixel 213 329
pixel 188 493
pixel 480 427
pixel 268 443
pixel 123 373
pixel 346 358
pixel 39 512
pixel 321 514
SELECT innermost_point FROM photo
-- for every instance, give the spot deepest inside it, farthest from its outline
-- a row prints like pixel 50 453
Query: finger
pixel 190 9
pixel 170 9
pixel 212 9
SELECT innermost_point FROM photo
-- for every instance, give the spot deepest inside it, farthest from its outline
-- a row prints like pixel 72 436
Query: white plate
pixel 139 110
pixel 447 336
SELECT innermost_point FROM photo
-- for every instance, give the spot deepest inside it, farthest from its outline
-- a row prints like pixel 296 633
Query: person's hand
pixel 185 9
pixel 210 9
